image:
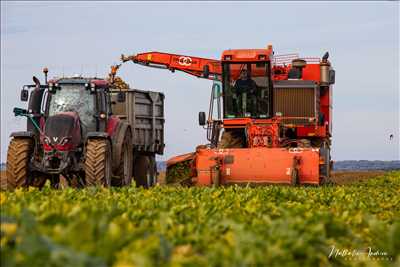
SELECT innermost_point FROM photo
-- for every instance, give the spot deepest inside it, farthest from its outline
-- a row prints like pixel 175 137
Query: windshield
pixel 75 98
pixel 246 90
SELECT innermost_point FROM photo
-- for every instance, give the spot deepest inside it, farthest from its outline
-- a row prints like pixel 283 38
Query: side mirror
pixel 121 97
pixel 331 76
pixel 24 95
pixel 202 118
pixel 206 71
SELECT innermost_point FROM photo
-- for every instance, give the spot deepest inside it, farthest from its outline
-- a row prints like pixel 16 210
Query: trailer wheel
pixel 145 174
pixel 153 170
pixel 98 163
pixel 125 169
pixel 18 155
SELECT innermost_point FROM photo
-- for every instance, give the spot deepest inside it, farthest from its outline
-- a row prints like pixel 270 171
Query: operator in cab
pixel 245 90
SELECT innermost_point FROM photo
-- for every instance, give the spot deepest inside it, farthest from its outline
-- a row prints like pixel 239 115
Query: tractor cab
pixel 86 97
pixel 62 113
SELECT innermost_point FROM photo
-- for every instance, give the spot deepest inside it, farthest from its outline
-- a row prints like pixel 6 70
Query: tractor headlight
pixel 64 141
pixel 46 140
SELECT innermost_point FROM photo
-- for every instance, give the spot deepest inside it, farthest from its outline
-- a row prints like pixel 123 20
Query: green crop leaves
pixel 178 226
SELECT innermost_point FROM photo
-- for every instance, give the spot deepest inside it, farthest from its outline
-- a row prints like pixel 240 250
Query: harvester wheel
pixel 145 174
pixel 98 163
pixel 295 177
pixel 125 169
pixel 18 155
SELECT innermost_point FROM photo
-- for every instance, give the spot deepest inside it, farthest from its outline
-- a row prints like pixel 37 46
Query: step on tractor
pixel 269 119
pixel 88 132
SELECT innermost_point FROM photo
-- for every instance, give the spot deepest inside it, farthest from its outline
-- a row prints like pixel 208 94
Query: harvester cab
pixel 245 92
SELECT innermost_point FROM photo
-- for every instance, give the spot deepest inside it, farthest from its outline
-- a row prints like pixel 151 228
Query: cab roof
pixel 246 55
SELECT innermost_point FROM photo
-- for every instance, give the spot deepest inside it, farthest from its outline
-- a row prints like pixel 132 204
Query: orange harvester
pixel 275 127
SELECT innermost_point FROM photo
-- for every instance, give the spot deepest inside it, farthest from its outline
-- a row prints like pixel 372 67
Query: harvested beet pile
pixel 118 83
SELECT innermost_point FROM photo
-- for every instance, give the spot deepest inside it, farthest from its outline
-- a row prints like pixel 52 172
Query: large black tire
pixel 295 177
pixel 153 170
pixel 145 171
pixel 98 163
pixel 18 155
pixel 125 169
pixel 325 169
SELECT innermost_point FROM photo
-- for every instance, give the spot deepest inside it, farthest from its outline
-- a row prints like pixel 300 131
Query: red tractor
pixel 72 131
pixel 275 113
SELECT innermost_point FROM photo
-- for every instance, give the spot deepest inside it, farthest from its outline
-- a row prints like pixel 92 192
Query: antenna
pixel 63 71
pixel 45 71
pixel 81 70
pixel 96 72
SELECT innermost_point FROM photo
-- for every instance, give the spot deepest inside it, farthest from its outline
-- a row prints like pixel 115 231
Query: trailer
pixel 144 112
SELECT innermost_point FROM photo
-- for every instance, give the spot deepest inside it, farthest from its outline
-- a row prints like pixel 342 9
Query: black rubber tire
pixel 144 171
pixel 153 170
pixel 125 169
pixel 18 156
pixel 295 177
pixel 98 163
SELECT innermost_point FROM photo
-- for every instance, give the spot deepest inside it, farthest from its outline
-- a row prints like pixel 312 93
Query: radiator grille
pixel 295 102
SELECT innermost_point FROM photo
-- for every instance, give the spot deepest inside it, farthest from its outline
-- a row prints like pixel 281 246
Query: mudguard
pixel 25 134
pixel 97 135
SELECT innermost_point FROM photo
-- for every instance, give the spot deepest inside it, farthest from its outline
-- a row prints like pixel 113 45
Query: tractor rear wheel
pixel 18 155
pixel 145 171
pixel 125 169
pixel 98 163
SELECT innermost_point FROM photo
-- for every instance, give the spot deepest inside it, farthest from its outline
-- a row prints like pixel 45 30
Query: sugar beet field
pixel 356 224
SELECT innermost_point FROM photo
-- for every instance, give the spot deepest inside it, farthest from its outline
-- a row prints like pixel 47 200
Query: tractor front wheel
pixel 18 155
pixel 98 163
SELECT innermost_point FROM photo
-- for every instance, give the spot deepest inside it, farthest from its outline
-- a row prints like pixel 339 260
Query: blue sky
pixel 87 37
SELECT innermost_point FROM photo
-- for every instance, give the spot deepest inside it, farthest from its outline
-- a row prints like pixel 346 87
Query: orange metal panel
pixel 312 72
pixel 307 131
pixel 246 54
pixel 257 165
